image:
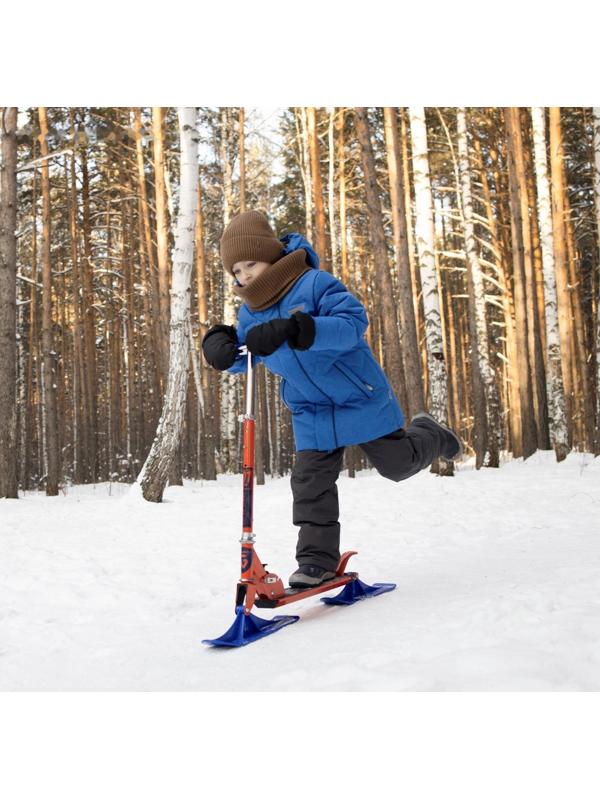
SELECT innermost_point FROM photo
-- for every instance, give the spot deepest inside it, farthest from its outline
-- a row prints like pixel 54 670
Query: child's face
pixel 247 271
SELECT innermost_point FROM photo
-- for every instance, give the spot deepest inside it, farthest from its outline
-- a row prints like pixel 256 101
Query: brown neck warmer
pixel 274 281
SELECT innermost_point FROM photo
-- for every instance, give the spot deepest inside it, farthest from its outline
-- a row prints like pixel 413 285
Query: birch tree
pixel 425 236
pixel 554 381
pixel 8 279
pixel 492 438
pixel 154 474
pixel 302 138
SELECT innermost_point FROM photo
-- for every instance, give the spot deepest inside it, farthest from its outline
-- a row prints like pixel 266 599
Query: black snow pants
pixel 397 456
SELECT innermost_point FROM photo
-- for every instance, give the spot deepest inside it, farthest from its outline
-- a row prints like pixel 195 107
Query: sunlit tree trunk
pixel 154 474
pixel 561 267
pixel 331 191
pixel 585 402
pixel 425 236
pixel 389 317
pixel 555 390
pixel 317 185
pixel 410 344
pixel 520 245
pixel 242 149
pixel 162 231
pixel 8 288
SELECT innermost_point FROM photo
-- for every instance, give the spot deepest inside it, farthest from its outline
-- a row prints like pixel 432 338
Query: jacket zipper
pixel 358 383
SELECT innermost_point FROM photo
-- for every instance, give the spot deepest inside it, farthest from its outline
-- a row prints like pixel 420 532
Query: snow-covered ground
pixel 497 571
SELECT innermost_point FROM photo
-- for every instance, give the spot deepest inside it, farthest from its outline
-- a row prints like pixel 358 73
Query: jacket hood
pixel 295 241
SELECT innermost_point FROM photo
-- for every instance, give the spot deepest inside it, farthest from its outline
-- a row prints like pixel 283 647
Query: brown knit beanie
pixel 249 237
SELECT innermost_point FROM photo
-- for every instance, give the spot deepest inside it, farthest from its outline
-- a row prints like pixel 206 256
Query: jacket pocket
pixel 366 388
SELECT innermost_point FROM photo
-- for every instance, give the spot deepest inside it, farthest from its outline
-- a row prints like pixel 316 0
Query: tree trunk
pixel 89 320
pixel 8 289
pixel 534 289
pixel 317 186
pixel 520 235
pixel 597 205
pixel 331 192
pixel 154 474
pixel 425 236
pixel 228 419
pixel 207 457
pixel 390 338
pixel 148 251
pixel 561 268
pixel 50 377
pixel 585 401
pixel 31 431
pixel 555 390
pixel 304 161
pixel 242 149
pixel 162 233
pixel 81 413
pixel 410 343
pixel 344 271
pixel 480 343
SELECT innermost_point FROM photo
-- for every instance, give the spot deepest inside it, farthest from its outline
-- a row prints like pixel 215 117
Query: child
pixel 309 329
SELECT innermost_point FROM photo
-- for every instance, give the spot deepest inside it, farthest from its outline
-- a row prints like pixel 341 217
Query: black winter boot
pixel 308 575
pixel 452 446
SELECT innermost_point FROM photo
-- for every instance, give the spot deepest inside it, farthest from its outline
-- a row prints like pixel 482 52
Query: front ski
pixel 248 628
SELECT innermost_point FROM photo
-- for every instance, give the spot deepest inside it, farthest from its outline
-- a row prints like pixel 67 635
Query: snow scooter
pixel 263 589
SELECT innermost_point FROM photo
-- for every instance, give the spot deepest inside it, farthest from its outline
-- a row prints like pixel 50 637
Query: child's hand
pixel 298 330
pixel 220 346
pixel 304 336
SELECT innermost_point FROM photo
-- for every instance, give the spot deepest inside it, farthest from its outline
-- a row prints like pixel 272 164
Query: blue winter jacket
pixel 337 392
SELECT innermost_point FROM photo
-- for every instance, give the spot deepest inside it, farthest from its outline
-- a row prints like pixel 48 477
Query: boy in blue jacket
pixel 309 329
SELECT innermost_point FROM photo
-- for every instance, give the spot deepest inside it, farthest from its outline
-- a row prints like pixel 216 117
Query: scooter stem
pixel 248 466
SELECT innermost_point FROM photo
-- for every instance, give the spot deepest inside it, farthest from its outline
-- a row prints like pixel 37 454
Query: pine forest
pixel 470 235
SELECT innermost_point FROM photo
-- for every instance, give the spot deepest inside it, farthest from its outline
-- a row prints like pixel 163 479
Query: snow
pixel 497 576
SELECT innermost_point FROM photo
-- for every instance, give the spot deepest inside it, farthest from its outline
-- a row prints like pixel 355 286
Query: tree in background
pixel 8 284
pixel 154 474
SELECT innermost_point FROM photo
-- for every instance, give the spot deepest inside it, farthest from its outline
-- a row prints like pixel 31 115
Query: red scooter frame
pixel 256 586
pixel 263 589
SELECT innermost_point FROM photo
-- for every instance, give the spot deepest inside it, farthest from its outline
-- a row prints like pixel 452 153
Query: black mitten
pixel 264 339
pixel 220 346
pixel 304 335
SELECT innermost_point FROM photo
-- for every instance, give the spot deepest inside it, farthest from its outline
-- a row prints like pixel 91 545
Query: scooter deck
pixel 293 595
